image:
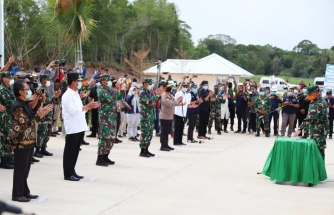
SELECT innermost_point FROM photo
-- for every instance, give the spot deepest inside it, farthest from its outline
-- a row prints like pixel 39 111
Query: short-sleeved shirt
pixel 241 103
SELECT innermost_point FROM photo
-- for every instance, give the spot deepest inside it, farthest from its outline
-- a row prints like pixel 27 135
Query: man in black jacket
pixel 204 109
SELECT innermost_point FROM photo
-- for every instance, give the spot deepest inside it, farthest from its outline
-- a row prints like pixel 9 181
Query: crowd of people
pixel 32 106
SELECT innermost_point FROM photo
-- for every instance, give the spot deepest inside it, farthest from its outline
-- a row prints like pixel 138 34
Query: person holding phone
pixel 231 95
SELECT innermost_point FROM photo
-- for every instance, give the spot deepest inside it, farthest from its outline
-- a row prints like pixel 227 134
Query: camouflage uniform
pixel 262 103
pixel 7 99
pixel 44 127
pixel 107 118
pixel 84 100
pixel 316 122
pixel 147 105
pixel 215 111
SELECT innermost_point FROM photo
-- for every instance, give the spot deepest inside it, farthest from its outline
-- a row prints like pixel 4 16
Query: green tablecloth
pixel 295 160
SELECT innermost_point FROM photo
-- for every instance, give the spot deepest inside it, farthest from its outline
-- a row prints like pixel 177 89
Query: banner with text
pixel 329 78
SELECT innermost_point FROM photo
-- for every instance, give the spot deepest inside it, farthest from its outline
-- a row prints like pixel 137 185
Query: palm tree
pixel 72 19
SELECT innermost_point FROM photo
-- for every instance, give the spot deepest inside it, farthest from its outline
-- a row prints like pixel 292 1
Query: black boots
pixel 143 153
pixel 165 147
pixel 257 133
pixel 100 161
pixel 107 160
pixel 45 153
pixel 10 159
pixel 149 153
pixel 209 130
pixel 5 165
pixel 38 153
pixel 231 127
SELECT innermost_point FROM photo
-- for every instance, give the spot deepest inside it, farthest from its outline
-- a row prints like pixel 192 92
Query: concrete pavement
pixel 217 177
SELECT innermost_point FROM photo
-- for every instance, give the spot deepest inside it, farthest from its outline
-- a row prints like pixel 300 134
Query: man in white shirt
pixel 180 113
pixel 75 125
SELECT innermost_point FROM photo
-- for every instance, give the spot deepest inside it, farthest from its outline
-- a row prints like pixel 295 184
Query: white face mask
pixel 11 82
pixel 48 83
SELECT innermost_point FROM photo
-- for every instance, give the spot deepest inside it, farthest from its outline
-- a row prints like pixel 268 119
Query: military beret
pixel 147 80
pixel 6 74
pixel 44 76
pixel 105 78
pixel 313 88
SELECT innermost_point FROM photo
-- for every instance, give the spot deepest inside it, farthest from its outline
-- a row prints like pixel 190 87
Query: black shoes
pixel 29 196
pixel 21 199
pixel 164 148
pixel 34 160
pixel 179 144
pixel 78 176
pixel 84 142
pixel 267 134
pixel 53 135
pixel 5 165
pixel 91 135
pixel 100 161
pixel 149 153
pixel 132 139
pixel 237 131
pixel 45 153
pixel 257 134
pixel 38 153
pixel 107 160
pixel 170 148
pixel 71 178
pixel 143 153
pixel 192 141
pixel 231 128
pixel 157 134
pixel 219 133
pixel 118 141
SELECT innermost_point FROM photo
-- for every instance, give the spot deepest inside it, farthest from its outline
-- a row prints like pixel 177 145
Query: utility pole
pixel 2 35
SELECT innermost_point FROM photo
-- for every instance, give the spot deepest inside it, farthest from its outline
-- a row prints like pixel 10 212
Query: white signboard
pixel 329 78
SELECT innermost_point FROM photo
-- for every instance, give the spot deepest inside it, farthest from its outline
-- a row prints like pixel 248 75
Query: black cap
pixel 134 79
pixel 73 76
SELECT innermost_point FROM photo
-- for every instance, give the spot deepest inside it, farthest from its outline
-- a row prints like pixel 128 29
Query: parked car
pixel 319 81
pixel 279 82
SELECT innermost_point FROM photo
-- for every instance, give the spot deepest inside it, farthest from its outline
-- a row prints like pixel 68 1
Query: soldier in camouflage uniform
pixel 107 120
pixel 316 122
pixel 215 110
pixel 262 107
pixel 84 92
pixel 147 101
pixel 44 127
pixel 7 100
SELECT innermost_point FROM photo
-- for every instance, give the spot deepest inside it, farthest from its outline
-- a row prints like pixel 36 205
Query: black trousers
pixel 23 158
pixel 241 115
pixel 178 128
pixel 192 122
pixel 231 108
pixel 203 122
pixel 330 119
pixel 71 152
pixel 118 122
pixel 165 126
pixel 252 122
pixel 95 121
pixel 274 115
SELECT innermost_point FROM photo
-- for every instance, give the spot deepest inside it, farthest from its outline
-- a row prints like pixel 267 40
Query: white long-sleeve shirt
pixel 73 116
pixel 182 110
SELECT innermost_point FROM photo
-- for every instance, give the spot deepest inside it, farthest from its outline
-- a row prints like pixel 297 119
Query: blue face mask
pixel 184 89
pixel 134 84
pixel 205 87
pixel 79 85
pixel 163 81
pixel 304 90
pixel 78 70
pixel 194 91
pixel 261 93
pixel 109 83
pixel 98 84
pixel 285 91
pixel 273 93
pixel 295 91
pixel 221 88
pixel 150 87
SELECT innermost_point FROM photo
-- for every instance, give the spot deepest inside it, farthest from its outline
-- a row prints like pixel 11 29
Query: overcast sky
pixel 281 23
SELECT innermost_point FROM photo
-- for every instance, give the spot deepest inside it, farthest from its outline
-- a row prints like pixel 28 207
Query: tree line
pixel 153 27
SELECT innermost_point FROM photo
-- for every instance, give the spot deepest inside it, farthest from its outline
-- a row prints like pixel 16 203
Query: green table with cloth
pixel 295 160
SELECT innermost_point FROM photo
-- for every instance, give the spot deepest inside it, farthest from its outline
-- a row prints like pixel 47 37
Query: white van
pixel 279 82
pixel 319 81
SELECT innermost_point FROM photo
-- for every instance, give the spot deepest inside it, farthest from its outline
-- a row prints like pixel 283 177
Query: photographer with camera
pixel 275 102
pixel 10 66
pixel 291 105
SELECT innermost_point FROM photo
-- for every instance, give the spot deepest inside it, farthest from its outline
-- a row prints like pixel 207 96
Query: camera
pixel 165 73
pixel 61 62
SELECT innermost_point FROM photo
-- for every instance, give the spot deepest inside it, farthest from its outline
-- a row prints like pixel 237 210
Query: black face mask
pixel 230 86
pixel 216 91
pixel 114 85
pixel 168 89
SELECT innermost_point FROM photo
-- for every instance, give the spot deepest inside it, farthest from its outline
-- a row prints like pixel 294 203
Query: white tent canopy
pixel 210 65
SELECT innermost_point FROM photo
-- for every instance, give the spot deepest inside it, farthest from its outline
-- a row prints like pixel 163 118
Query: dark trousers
pixel 225 121
pixel 274 115
pixel 165 129
pixel 156 121
pixel 178 128
pixel 301 118
pixel 192 122
pixel 23 158
pixel 203 122
pixel 118 122
pixel 252 122
pixel 231 108
pixel 330 119
pixel 241 115
pixel 95 121
pixel 71 152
